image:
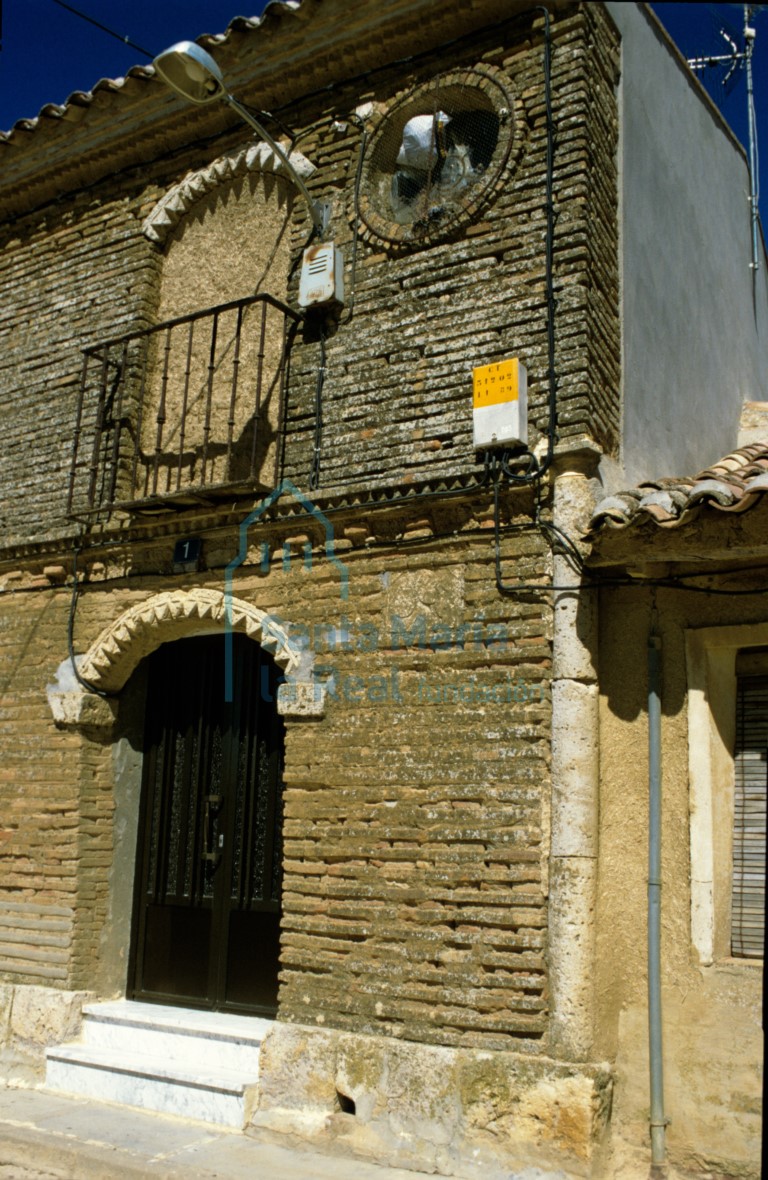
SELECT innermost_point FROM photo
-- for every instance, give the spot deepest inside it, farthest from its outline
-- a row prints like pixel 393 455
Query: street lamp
pixel 193 74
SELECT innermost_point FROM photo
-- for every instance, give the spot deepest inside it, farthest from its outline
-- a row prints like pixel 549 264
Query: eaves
pixel 296 48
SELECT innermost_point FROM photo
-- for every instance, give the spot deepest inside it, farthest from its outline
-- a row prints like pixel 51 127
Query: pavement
pixel 50 1136
pixel 47 1136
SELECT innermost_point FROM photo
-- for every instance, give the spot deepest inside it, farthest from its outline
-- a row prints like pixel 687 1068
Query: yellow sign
pixel 494 384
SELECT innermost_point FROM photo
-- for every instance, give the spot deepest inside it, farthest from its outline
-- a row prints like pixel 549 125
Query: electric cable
pixel 675 582
pixel 86 684
pixel 314 477
pixel 535 469
pixel 358 122
pixel 269 115
pixel 556 538
pixel 549 247
pixel 462 42
pixel 104 28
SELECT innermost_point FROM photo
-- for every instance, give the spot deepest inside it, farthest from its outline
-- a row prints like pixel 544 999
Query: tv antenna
pixel 727 64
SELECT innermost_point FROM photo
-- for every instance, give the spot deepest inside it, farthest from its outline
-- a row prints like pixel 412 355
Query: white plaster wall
pixel 695 334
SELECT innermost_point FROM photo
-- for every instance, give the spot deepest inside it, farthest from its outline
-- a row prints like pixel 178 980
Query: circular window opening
pixel 436 157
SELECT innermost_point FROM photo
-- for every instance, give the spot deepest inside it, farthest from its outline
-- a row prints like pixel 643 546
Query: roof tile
pixel 81 97
pixel 734 484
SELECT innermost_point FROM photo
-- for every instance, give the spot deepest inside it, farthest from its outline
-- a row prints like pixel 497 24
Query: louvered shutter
pixel 749 818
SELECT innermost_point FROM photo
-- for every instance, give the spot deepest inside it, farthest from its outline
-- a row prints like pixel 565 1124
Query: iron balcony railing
pixel 174 414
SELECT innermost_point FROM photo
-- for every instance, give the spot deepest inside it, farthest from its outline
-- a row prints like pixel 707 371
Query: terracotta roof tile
pixel 734 484
pixel 85 97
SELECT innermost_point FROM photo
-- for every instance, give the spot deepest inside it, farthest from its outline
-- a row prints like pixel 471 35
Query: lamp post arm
pixel 245 114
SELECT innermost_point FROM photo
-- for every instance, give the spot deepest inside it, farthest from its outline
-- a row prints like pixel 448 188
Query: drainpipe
pixel 658 1121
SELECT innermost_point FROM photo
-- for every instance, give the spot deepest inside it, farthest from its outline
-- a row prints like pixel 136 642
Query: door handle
pixel 209 853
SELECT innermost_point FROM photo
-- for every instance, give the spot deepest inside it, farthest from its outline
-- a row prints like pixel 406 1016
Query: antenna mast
pixel 749 45
pixel 733 60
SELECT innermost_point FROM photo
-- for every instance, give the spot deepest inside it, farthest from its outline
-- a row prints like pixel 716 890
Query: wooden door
pixel 207 909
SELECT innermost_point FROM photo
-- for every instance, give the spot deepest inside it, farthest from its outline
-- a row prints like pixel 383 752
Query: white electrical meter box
pixel 322 276
pixel 500 405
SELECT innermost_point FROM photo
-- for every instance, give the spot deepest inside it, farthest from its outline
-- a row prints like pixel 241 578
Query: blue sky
pixel 696 28
pixel 47 52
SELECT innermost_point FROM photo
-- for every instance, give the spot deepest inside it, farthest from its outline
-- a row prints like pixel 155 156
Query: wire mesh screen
pixel 436 152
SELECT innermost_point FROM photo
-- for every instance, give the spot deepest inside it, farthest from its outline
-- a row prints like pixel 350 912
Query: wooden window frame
pixel 711 655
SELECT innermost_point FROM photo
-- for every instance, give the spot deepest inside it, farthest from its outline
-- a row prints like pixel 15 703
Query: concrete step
pixel 200 1065
pixel 176 1034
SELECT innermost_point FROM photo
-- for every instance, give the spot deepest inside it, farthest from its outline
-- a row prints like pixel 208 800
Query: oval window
pixel 436 156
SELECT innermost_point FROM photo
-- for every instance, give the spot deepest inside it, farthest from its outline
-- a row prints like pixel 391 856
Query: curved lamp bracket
pixel 193 74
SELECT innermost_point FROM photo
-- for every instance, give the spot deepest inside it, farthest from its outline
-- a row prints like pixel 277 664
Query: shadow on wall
pixel 626 620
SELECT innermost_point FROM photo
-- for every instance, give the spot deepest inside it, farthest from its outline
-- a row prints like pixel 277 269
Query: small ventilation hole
pixel 346 1104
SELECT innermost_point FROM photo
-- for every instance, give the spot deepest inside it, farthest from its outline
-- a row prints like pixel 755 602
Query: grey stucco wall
pixel 695 332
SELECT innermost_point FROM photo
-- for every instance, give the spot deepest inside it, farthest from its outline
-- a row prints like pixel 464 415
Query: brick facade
pixel 83 271
pixel 426 779
pixel 416 808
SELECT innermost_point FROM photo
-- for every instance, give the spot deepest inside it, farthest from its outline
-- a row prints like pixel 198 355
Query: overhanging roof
pixel 734 484
pixel 718 516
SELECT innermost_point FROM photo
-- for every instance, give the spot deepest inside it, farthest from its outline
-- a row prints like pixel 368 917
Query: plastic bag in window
pixel 423 141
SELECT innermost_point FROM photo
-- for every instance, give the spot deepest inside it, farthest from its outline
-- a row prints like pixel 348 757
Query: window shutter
pixel 749 818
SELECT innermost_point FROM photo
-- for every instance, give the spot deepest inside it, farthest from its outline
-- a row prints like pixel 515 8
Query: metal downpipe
pixel 658 1122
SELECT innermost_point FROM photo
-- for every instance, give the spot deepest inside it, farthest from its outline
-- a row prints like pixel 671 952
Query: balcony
pixel 183 413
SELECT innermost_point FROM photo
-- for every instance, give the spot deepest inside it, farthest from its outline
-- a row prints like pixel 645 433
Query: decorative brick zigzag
pixel 117 651
pixel 257 157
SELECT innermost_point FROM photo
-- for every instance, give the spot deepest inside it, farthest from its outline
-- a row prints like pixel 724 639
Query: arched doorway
pixel 205 930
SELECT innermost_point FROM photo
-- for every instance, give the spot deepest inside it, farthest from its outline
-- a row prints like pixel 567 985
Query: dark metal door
pixel 206 918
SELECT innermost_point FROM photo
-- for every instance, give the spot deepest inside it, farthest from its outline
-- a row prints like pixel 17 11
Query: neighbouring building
pixel 685 565
pixel 301 741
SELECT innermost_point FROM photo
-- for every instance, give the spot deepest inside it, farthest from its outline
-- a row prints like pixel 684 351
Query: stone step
pixel 199 1065
pixel 181 1035
pixel 209 1095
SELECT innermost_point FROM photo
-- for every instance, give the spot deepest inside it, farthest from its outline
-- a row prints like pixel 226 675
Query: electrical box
pixel 500 405
pixel 322 276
